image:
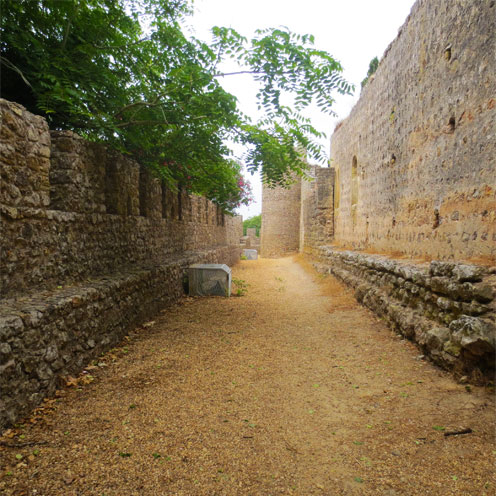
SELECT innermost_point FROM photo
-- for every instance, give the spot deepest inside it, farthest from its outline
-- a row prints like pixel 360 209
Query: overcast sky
pixel 352 31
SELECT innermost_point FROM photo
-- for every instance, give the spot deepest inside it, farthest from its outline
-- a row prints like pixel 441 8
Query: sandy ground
pixel 292 388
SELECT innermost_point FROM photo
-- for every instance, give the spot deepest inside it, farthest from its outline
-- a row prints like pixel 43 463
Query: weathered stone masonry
pixel 92 245
pixel 280 220
pixel 447 308
pixel 316 213
pixel 413 179
pixel 415 160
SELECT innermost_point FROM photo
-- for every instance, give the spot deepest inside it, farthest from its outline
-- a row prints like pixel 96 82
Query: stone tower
pixel 280 220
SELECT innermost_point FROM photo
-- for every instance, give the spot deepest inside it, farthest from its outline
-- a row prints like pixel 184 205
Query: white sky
pixel 352 31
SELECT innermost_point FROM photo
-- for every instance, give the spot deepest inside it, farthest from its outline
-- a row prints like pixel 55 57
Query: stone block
pixel 24 157
pixel 77 174
pixel 121 185
pixel 250 254
pixel 209 280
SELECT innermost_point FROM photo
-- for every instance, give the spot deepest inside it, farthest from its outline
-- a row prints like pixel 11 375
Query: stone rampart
pixel 279 235
pixel 92 245
pixel 414 179
pixel 415 160
pixel 316 213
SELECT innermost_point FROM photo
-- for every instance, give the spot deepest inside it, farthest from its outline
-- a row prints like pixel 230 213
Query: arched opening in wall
pixel 354 189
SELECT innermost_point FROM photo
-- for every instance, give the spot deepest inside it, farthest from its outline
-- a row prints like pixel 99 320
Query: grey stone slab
pixel 209 280
pixel 250 254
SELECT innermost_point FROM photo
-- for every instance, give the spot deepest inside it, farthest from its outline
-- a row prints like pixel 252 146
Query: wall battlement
pixel 92 245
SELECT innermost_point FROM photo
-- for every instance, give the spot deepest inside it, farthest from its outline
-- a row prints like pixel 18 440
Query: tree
pixel 255 221
pixel 123 72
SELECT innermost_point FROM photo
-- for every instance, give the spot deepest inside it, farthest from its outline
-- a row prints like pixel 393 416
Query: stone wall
pixel 280 220
pixel 414 179
pixel 447 308
pixel 234 229
pixel 251 240
pixel 92 245
pixel 415 160
pixel 316 209
pixel 299 218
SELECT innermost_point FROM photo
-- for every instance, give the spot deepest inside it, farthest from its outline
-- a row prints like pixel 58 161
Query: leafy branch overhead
pixel 124 73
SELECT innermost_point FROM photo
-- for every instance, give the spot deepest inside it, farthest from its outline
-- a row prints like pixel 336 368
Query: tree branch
pixel 10 65
pixel 150 122
pixel 222 74
pixel 123 125
pixel 68 26
pixel 155 102
pixel 117 47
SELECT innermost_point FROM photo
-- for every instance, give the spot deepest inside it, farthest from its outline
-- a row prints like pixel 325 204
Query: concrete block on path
pixel 250 254
pixel 209 280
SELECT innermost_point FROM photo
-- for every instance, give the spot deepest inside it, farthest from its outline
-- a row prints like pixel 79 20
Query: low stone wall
pixel 55 333
pixel 448 309
pixel 92 244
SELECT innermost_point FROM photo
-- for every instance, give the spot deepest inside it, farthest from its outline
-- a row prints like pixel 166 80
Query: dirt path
pixel 291 389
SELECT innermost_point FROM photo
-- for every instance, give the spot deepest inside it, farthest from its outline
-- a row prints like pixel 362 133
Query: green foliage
pixel 373 65
pixel 124 73
pixel 241 287
pixel 255 222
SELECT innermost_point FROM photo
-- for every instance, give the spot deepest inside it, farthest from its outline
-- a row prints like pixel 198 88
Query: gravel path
pixel 291 389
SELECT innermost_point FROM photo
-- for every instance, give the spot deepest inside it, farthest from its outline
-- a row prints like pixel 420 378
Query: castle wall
pixel 415 160
pixel 92 245
pixel 280 220
pixel 316 209
pixel 413 181
pixel 415 177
